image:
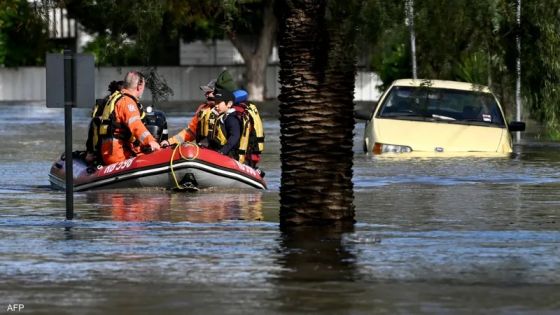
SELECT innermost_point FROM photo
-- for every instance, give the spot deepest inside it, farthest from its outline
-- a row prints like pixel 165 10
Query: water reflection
pixel 204 207
pixel 316 269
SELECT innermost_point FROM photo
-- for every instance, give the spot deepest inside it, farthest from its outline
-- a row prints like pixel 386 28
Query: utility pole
pixel 518 70
pixel 409 20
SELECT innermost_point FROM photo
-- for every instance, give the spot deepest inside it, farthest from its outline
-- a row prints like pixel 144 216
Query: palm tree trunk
pixel 317 73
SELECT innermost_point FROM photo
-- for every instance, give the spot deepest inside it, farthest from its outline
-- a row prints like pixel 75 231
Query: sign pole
pixel 70 83
pixel 68 102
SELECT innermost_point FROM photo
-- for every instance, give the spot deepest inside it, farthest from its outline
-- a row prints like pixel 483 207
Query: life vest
pixel 252 137
pixel 252 131
pixel 257 130
pixel 206 123
pixel 104 124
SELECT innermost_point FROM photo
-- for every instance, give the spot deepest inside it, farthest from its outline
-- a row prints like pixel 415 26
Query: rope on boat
pixel 184 144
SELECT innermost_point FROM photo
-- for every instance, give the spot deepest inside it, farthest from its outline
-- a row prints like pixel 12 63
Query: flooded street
pixel 459 235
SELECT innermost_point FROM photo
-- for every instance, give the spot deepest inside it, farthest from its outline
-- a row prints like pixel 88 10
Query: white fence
pixel 28 83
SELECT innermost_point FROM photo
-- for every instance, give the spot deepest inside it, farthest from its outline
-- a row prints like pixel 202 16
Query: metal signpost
pixel 70 83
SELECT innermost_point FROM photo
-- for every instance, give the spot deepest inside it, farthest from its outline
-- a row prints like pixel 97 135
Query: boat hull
pixel 187 166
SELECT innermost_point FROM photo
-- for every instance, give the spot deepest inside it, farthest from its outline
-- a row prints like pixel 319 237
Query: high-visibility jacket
pixel 203 125
pixel 227 132
pixel 255 130
pixel 207 119
pixel 124 114
pixel 190 131
pixel 96 131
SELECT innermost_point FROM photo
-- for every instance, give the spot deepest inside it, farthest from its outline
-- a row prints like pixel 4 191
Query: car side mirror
pixel 516 126
pixel 362 114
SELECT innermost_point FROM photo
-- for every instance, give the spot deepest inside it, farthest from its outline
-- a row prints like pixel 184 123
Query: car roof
pixel 444 84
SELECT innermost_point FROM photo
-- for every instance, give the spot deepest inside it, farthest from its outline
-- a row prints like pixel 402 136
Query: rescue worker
pixel 204 121
pixel 203 117
pixel 251 145
pixel 127 128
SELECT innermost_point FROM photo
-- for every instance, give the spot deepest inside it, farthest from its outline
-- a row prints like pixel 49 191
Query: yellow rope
pixel 185 144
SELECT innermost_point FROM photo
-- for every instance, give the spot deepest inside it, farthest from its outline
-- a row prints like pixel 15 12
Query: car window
pixel 434 104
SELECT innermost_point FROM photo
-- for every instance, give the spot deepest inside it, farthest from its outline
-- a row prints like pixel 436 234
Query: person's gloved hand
pixel 164 144
pixel 154 146
pixel 204 143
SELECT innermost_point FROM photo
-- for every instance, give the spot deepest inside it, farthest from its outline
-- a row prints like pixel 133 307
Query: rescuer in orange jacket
pixel 127 128
pixel 191 132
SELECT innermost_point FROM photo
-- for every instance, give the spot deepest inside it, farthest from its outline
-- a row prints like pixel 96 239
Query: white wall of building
pixel 28 83
pixel 214 53
pixel 201 61
pixel 22 84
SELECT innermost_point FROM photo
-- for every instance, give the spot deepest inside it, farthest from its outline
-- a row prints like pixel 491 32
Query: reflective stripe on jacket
pixel 124 114
pixel 189 132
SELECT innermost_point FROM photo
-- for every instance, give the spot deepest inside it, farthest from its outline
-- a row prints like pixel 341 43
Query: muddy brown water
pixel 472 235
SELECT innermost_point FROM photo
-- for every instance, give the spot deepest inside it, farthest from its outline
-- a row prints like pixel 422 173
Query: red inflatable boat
pixel 185 167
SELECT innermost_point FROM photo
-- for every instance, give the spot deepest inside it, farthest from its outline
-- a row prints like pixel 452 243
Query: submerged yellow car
pixel 438 116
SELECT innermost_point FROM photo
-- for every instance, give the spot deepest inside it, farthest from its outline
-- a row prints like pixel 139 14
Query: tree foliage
pixel 129 32
pixel 475 41
pixel 540 63
pixel 467 40
pixel 133 32
pixel 23 36
pixel 145 32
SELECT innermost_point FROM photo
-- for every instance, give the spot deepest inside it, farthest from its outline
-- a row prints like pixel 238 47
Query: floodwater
pixel 474 235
